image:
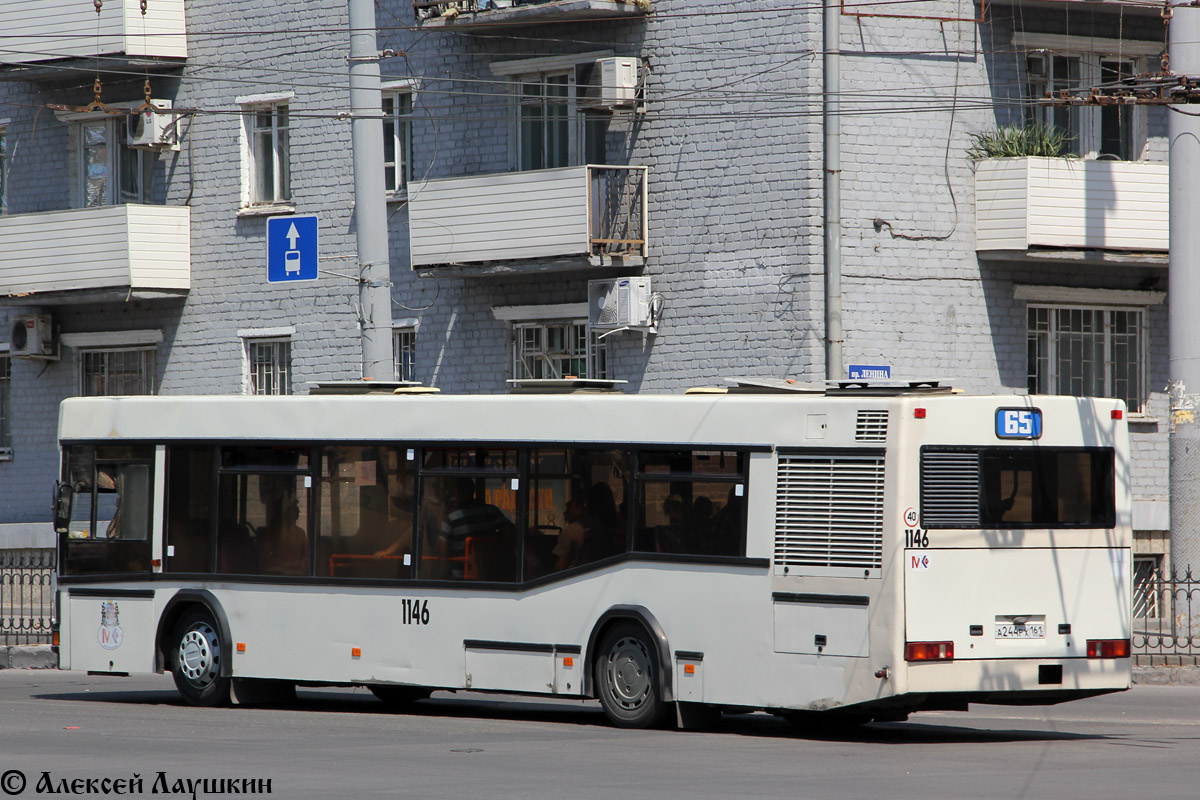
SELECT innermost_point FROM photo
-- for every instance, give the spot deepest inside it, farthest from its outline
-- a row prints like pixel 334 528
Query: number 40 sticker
pixel 1019 423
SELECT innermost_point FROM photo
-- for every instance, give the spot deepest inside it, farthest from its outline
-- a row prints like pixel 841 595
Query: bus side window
pixel 190 473
pixel 263 511
pixel 574 516
pixel 365 508
pixel 467 515
pixel 691 503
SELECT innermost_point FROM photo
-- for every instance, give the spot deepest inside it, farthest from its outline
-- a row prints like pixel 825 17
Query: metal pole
pixel 832 170
pixel 370 203
pixel 1183 132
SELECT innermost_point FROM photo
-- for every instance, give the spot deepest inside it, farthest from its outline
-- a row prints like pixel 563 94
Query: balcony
pixel 37 32
pixel 481 14
pixel 93 254
pixel 580 216
pixel 1029 207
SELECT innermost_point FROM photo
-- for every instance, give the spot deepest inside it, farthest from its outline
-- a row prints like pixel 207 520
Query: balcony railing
pixel 479 13
pixel 126 247
pixel 590 212
pixel 1023 203
pixel 46 30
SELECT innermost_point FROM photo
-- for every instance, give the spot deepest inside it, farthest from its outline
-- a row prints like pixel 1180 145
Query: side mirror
pixel 64 497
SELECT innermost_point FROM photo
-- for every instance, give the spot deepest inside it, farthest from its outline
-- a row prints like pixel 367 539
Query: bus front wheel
pixel 627 678
pixel 197 656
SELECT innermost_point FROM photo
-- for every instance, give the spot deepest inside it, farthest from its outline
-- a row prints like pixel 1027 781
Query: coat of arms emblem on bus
pixel 110 635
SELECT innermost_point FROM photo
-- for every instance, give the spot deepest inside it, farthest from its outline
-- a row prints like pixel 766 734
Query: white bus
pixel 858 551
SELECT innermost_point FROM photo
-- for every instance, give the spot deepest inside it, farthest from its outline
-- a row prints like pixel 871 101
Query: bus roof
pixel 766 419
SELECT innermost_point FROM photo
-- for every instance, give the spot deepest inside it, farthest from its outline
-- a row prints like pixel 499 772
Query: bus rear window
pixel 1017 487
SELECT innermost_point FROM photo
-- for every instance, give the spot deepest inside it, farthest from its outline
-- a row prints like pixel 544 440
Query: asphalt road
pixel 343 743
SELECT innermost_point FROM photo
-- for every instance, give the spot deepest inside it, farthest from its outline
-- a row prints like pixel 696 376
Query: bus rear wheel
pixel 197 655
pixel 627 678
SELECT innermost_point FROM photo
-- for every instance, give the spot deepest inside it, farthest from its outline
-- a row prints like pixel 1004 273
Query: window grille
pixel 556 350
pixel 270 363
pixel 404 351
pixel 117 371
pixel 1087 352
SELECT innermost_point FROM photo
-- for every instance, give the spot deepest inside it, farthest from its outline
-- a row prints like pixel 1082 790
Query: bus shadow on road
pixel 450 705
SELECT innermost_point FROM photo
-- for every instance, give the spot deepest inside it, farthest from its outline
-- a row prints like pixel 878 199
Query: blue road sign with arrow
pixel 291 249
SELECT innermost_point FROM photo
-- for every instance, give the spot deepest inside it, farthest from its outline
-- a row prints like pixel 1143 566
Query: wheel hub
pixel 630 670
pixel 199 655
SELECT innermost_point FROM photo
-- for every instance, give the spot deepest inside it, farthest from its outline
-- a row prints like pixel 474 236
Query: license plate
pixel 1013 630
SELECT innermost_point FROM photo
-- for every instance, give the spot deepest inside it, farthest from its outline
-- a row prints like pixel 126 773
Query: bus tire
pixel 627 678
pixel 398 696
pixel 197 656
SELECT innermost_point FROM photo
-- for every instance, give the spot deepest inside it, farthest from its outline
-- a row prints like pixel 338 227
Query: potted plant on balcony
pixel 1032 192
pixel 1020 141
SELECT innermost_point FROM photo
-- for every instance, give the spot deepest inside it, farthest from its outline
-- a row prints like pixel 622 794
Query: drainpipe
pixel 832 172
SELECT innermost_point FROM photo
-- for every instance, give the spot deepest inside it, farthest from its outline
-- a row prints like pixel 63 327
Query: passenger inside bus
pixel 474 539
pixel 570 540
pixel 283 547
pixel 394 527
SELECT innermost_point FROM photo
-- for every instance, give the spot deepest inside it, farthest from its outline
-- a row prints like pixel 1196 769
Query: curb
pixel 1166 676
pixel 36 656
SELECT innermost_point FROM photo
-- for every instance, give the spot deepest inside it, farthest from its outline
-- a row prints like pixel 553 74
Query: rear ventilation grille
pixel 829 511
pixel 949 490
pixel 871 426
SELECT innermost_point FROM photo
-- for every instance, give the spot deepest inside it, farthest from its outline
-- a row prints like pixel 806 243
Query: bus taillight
pixel 1108 648
pixel 929 651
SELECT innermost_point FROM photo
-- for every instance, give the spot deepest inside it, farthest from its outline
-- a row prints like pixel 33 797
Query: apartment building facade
pixel 536 154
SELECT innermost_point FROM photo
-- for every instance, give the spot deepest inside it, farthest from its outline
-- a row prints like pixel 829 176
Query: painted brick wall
pixel 732 135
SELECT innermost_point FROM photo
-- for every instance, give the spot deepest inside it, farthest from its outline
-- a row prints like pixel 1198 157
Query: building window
pixel 558 350
pixel 397 140
pixel 404 349
pixel 3 170
pixel 1112 131
pixel 110 172
pixel 546 121
pixel 117 371
pixel 1088 352
pixel 270 362
pixel 267 130
pixel 5 407
pixel 1148 583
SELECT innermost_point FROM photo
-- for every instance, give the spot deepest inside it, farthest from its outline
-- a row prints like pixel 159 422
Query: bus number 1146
pixel 415 612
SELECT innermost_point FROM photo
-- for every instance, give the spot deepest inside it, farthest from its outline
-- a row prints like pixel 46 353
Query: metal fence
pixel 26 596
pixel 1166 617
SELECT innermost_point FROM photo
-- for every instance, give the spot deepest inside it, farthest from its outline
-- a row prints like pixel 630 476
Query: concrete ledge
pixel 1166 676
pixel 33 656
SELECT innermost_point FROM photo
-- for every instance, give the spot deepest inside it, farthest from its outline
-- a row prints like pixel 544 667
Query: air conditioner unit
pixel 619 303
pixel 618 81
pixel 152 130
pixel 32 336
